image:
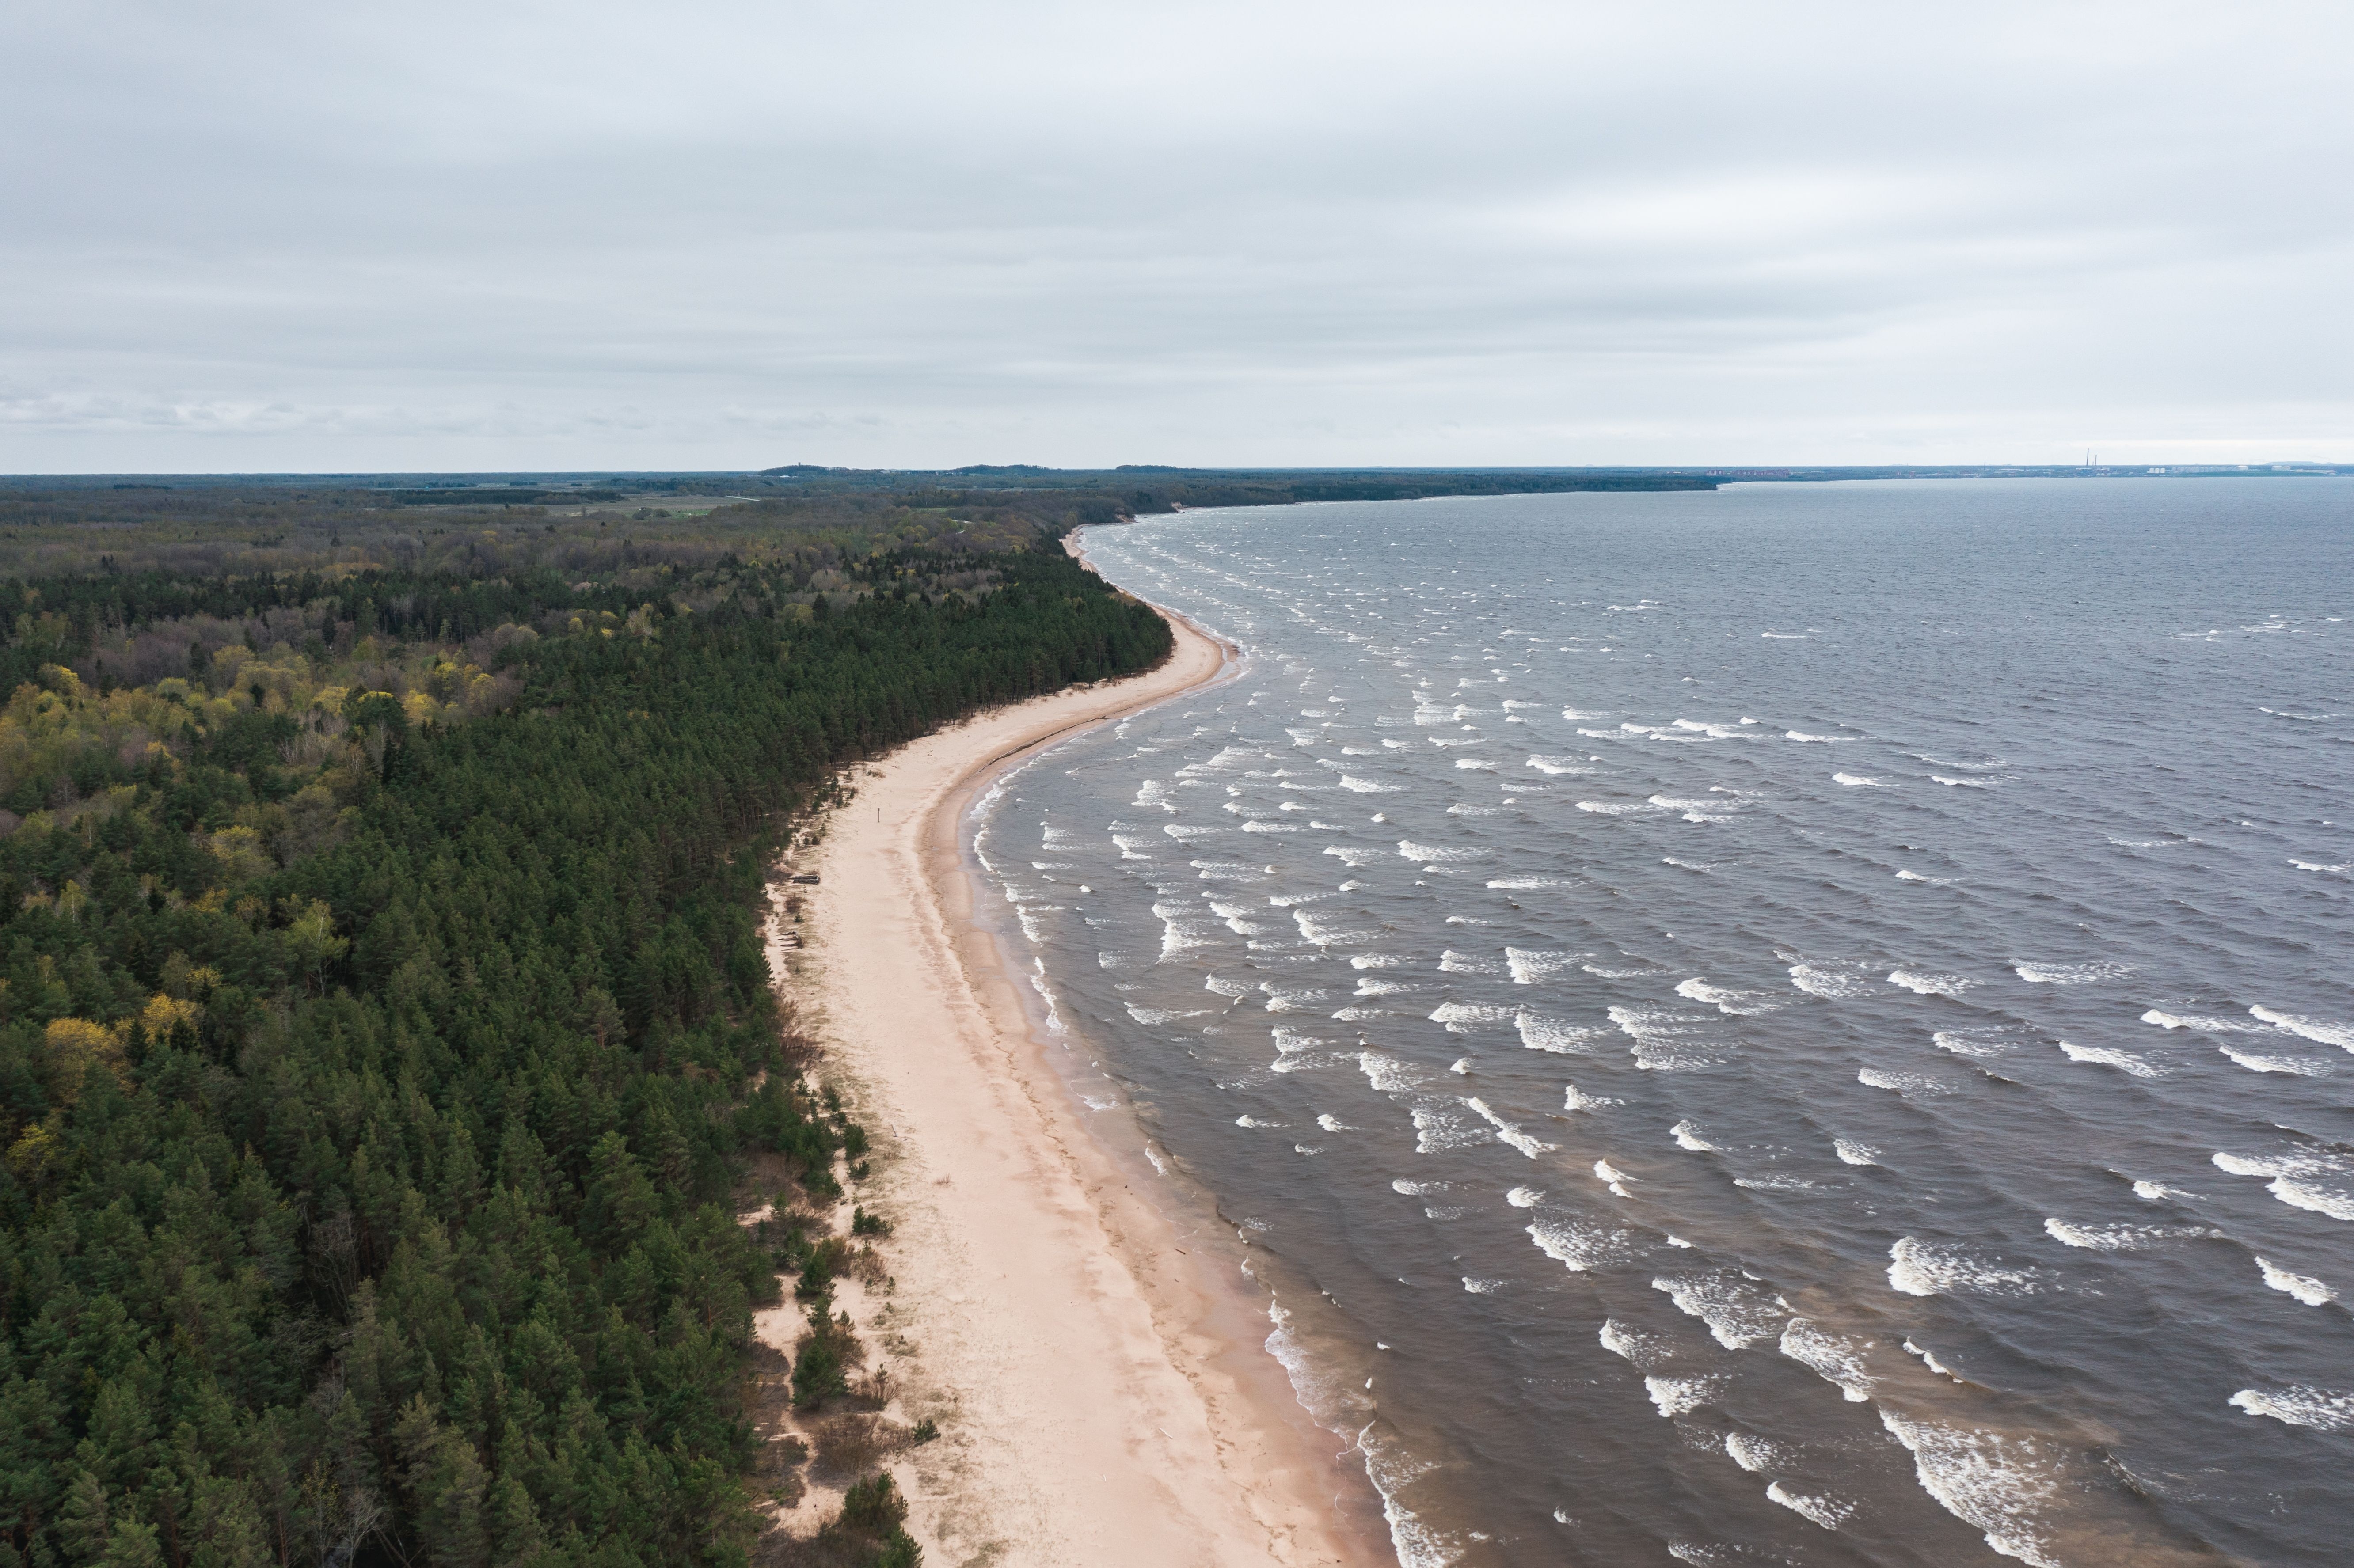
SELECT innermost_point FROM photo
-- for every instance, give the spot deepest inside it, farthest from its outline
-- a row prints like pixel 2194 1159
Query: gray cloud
pixel 439 236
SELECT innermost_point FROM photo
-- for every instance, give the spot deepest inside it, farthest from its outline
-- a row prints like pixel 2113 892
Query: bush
pixel 874 1504
pixel 822 1371
pixel 863 1224
pixel 819 1263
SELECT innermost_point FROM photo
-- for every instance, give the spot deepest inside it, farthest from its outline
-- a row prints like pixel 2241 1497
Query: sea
pixel 1809 1023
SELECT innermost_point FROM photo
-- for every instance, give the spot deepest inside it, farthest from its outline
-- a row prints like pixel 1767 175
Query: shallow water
pixel 1802 1025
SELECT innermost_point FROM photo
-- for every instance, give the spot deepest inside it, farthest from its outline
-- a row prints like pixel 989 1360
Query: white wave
pixel 1261 827
pixel 1640 1346
pixel 2317 866
pixel 1160 1015
pixel 1815 979
pixel 1524 1197
pixel 1316 929
pixel 2209 1025
pixel 1663 1042
pixel 1738 1312
pixel 1931 1362
pixel 2158 1192
pixel 1332 1123
pixel 1986 1041
pixel 1434 856
pixel 1477 764
pixel 1605 1171
pixel 1902 1083
pixel 1288 1040
pixel 1417 1189
pixel 2124 1060
pixel 1253 1121
pixel 1963 783
pixel 1773 1183
pixel 2338 1205
pixel 2310 1291
pixel 1437 1129
pixel 1576 1099
pixel 1929 984
pixel 1680 1395
pixel 1559 764
pixel 2301 1066
pixel 2317 1409
pixel 1686 1136
pixel 1756 1453
pixel 1456 1013
pixel 1903 875
pixel 1369 786
pixel 1507 1132
pixel 1829 1512
pixel 2069 974
pixel 1835 1358
pixel 1390 1074
pixel 1620 808
pixel 1484 1287
pixel 1032 928
pixel 1998 1485
pixel 1530 884
pixel 1711 808
pixel 1582 1247
pixel 2119 1238
pixel 1858 781
pixel 1530 965
pixel 1855 1153
pixel 1721 731
pixel 1725 1000
pixel 1454 963
pixel 1817 739
pixel 1916 1267
pixel 1539 1033
pixel 2321 1032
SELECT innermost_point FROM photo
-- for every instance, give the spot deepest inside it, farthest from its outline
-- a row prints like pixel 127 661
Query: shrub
pixel 874 1504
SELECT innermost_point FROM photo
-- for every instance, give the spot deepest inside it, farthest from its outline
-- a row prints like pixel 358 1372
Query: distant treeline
pixel 385 1028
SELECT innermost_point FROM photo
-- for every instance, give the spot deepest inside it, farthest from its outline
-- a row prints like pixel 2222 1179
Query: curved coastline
pixel 1093 1365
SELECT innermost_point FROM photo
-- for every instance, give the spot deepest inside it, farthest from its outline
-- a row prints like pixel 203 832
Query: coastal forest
pixel 386 1036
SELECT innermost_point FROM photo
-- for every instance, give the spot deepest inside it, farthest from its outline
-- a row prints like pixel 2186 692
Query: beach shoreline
pixel 1092 1361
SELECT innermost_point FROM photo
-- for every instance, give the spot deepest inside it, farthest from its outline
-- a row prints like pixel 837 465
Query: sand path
pixel 1100 1396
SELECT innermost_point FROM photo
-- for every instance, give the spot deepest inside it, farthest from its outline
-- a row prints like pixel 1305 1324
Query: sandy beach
pixel 1090 1354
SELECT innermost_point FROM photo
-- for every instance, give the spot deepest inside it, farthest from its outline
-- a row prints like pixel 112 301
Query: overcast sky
pixel 708 234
